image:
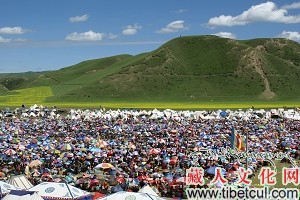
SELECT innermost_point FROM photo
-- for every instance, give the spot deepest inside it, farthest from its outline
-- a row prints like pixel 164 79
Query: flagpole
pixel 247 148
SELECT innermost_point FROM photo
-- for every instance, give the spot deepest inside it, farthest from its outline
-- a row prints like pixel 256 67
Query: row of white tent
pixel 37 111
pixel 189 115
pixel 20 188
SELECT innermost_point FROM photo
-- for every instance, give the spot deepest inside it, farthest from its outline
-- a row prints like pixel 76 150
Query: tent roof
pixel 22 195
pixel 131 195
pixel 53 190
pixel 6 187
pixel 20 181
pixel 147 189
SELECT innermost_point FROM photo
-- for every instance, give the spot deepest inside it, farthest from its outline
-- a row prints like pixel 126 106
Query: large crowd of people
pixel 109 151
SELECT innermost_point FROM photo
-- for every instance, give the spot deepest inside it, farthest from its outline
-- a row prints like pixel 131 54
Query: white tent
pixel 6 188
pixel 53 190
pixel 20 181
pixel 131 195
pixel 22 195
pixel 147 189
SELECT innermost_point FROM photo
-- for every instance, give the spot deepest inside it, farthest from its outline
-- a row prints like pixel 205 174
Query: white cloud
pixel 111 36
pixel 4 40
pixel 86 36
pixel 12 30
pixel 82 18
pixel 226 35
pixel 173 27
pixel 295 5
pixel 131 30
pixel 291 35
pixel 8 40
pixel 181 11
pixel 265 12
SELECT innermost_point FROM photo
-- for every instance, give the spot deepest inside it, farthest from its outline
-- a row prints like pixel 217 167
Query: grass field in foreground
pixel 152 105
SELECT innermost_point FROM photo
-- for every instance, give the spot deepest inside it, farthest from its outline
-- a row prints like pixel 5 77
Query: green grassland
pixel 187 72
pixel 35 95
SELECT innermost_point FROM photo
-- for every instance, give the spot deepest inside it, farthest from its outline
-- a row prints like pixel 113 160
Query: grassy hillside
pixel 185 69
pixel 202 68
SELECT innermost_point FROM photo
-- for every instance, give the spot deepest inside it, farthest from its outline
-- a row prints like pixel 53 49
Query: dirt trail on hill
pixel 257 63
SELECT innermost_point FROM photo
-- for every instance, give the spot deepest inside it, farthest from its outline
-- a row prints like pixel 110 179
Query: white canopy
pixel 52 190
pixel 22 195
pixel 20 181
pixel 6 188
pixel 147 189
pixel 131 195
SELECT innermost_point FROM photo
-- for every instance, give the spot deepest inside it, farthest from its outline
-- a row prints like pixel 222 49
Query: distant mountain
pixel 193 68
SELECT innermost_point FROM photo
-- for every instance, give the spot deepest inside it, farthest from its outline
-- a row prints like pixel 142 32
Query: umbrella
pixel 88 163
pixel 101 144
pixel 154 151
pixel 35 163
pixel 201 144
pixel 32 146
pixel 223 114
pixel 48 147
pixel 116 188
pixel 67 147
pixel 34 141
pixel 21 147
pixel 95 149
pixel 55 151
pixel 113 143
pixel 64 154
pixel 212 170
pixel 82 149
pixel 131 146
pixel 10 152
pixel 253 137
pixel 104 166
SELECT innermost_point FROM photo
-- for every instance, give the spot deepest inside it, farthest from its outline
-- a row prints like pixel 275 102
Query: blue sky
pixel 38 35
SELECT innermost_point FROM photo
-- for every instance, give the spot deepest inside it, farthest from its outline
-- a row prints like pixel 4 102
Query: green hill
pixel 185 69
